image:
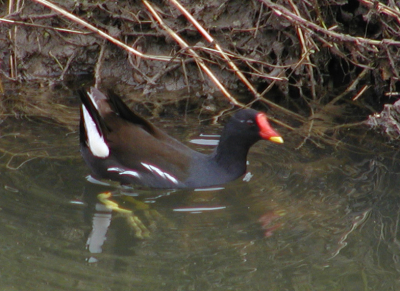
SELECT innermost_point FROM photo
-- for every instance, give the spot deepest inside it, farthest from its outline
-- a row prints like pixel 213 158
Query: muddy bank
pixel 334 63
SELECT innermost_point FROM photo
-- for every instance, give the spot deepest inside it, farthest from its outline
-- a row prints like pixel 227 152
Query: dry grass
pixel 292 47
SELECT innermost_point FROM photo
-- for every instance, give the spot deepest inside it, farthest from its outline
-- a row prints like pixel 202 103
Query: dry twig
pixel 312 27
pixel 306 51
pixel 382 8
pixel 226 57
pixel 351 87
pixel 101 33
pixel 10 21
pixel 199 61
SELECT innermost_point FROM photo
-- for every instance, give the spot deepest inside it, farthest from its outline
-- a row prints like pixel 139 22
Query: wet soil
pixel 318 66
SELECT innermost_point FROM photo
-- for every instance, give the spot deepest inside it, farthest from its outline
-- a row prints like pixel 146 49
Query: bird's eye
pixel 249 122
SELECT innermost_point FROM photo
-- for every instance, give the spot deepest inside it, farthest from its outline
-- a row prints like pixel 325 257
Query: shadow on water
pixel 327 223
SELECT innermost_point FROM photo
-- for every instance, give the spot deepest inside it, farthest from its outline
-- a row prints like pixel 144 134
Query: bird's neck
pixel 231 154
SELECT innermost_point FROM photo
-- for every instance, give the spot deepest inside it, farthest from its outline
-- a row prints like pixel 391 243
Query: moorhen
pixel 118 144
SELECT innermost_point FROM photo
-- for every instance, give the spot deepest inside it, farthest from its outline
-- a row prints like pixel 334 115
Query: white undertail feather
pixel 92 99
pixel 95 141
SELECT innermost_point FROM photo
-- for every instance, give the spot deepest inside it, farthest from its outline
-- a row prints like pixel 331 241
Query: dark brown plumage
pixel 118 144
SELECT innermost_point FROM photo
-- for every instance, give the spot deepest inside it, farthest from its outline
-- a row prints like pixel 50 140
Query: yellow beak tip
pixel 276 139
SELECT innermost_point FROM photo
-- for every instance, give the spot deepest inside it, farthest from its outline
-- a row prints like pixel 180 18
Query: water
pixel 305 220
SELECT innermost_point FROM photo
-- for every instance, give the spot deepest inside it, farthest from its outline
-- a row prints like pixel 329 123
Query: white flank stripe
pixel 115 169
pixel 130 173
pixel 148 167
pixel 121 171
pixel 95 141
pixel 161 173
pixel 171 178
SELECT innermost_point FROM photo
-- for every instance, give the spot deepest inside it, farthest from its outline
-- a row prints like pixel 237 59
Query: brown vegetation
pixel 318 65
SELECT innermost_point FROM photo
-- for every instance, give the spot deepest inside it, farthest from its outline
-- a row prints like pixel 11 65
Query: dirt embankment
pixel 305 60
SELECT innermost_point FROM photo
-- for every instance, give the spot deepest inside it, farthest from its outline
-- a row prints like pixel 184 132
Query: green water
pixel 323 222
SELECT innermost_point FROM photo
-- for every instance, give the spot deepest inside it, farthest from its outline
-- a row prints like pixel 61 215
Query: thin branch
pixel 97 74
pixel 382 8
pixel 199 61
pixel 211 40
pixel 306 52
pixel 360 92
pixel 350 88
pixel 41 26
pixel 226 57
pixel 101 33
pixel 295 19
